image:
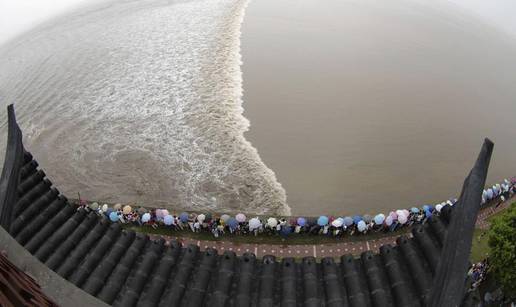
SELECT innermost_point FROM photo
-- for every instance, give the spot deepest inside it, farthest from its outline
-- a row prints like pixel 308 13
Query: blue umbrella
pixel 322 220
pixel 348 221
pixel 286 230
pixel 301 221
pixel 232 223
pixel 428 213
pixel 414 210
pixel 426 207
pixel 113 217
pixel 379 219
pixel 183 217
pixel 146 217
pixel 108 211
pixel 356 219
pixel 490 193
pixel 168 220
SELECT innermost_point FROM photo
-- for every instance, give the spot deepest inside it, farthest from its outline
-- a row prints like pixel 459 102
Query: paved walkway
pixel 320 250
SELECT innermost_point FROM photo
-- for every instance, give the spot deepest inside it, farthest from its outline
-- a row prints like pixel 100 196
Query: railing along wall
pixel 14 158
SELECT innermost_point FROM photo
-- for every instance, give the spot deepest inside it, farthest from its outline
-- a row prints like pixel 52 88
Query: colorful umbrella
pixel 225 217
pixel 272 222
pixel 94 206
pixel 232 223
pixel 113 216
pixel 338 222
pixel 254 223
pixel 159 213
pixel 388 220
pixel 402 219
pixel 357 219
pixel 168 219
pixel 322 220
pixel 146 217
pixel 348 221
pixel 183 217
pixel 368 218
pixel 379 219
pixel 201 218
pixel 108 212
pixel 240 217
pixel 286 230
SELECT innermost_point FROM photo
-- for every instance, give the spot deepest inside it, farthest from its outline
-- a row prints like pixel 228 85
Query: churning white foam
pixel 141 101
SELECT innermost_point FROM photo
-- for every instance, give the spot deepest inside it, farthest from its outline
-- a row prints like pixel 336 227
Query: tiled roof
pixel 124 268
pixel 18 288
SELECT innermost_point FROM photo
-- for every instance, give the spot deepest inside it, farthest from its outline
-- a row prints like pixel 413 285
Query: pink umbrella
pixel 240 217
pixel 407 213
pixel 159 213
pixel 402 218
pixel 388 220
pixel 393 216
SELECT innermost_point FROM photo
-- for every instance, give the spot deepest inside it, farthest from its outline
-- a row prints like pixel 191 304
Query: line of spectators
pixel 323 225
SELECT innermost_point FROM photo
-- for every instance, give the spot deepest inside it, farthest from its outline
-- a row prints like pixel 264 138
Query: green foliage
pixel 502 244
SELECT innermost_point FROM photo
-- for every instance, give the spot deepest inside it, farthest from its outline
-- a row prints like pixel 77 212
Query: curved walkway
pixel 318 250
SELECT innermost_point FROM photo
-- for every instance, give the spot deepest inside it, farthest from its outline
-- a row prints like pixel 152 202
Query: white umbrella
pixel 94 206
pixel 104 207
pixel 337 222
pixel 254 223
pixel 361 226
pixel 201 218
pixel 225 217
pixel 438 207
pixel 272 222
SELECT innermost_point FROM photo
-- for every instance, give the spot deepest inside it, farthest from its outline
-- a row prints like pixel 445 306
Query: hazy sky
pixel 17 16
pixel 501 13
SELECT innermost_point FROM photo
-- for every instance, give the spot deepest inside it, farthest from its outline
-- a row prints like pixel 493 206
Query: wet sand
pixel 365 106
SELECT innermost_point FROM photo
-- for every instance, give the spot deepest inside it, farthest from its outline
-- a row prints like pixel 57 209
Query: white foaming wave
pixel 141 101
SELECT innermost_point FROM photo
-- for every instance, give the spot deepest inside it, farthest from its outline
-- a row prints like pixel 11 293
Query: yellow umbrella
pixel 127 209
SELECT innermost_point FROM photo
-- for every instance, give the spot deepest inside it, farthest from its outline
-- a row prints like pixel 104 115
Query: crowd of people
pixel 478 273
pixel 323 225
